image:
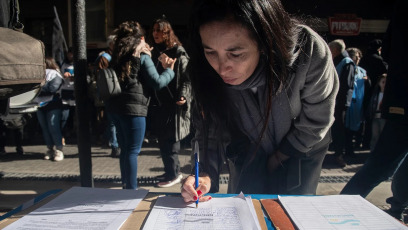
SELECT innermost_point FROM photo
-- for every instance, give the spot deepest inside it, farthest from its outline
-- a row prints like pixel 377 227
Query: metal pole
pixel 81 94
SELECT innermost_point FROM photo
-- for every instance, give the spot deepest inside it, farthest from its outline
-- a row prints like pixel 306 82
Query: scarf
pixel 249 106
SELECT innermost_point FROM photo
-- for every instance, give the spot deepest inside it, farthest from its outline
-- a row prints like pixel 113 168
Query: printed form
pixel 337 212
pixel 83 208
pixel 218 213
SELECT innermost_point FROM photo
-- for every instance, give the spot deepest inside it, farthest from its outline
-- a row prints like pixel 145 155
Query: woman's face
pixel 230 50
pixel 157 34
pixel 357 58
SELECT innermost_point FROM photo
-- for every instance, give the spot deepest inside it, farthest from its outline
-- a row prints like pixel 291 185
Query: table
pixel 138 216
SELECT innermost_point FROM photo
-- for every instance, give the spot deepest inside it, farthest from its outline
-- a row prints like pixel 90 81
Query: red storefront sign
pixel 344 27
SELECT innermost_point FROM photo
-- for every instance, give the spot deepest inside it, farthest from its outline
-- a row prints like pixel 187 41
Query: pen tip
pixel 196 205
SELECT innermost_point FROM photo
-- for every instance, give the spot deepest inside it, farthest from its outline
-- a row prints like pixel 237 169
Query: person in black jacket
pixel 171 115
pixel 373 61
pixel 375 66
pixel 345 69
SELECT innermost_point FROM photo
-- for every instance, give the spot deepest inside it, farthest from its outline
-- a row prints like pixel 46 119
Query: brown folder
pixel 277 214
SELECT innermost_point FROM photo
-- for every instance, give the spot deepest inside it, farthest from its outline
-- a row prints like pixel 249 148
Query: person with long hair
pixel 170 117
pixel 49 111
pixel 265 87
pixel 137 76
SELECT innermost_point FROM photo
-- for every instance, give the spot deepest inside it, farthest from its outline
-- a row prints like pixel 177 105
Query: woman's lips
pixel 228 80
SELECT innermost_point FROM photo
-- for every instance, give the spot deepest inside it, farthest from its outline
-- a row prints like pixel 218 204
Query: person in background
pixel 67 95
pixel 264 86
pixel 354 118
pixel 375 65
pixel 389 156
pixel 171 115
pixel 373 62
pixel 137 76
pixel 104 120
pixel 13 125
pixel 374 110
pixel 50 110
pixel 345 70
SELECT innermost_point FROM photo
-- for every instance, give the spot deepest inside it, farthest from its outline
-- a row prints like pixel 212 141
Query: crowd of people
pixel 263 92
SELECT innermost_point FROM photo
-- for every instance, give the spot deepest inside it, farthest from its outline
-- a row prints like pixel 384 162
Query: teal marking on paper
pixel 351 222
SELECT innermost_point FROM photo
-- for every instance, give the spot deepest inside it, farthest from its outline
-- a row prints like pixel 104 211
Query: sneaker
pixel 161 178
pixel 340 161
pixel 49 154
pixel 115 152
pixel 166 184
pixel 58 156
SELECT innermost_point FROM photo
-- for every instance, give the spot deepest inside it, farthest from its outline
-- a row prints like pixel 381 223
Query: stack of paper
pixel 83 208
pixel 337 212
pixel 218 213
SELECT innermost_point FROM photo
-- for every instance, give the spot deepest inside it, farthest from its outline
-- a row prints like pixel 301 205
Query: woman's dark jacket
pixel 173 120
pixel 136 89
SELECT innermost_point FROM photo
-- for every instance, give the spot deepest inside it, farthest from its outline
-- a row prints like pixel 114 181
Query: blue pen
pixel 196 168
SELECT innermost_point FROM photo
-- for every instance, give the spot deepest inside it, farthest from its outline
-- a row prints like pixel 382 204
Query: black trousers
pixel 169 150
pixel 338 132
pixel 386 159
pixel 18 135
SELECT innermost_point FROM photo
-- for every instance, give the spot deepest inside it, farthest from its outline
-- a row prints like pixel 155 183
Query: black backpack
pixel 107 83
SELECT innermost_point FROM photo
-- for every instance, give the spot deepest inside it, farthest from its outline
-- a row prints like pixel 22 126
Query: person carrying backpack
pixel 103 123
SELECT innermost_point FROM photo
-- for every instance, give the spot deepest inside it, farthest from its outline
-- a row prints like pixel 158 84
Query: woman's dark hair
pixel 50 63
pixel 128 36
pixel 169 37
pixel 269 24
pixel 353 52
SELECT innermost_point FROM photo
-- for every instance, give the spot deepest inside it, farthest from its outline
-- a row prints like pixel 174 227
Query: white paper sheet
pixel 337 212
pixel 218 213
pixel 83 208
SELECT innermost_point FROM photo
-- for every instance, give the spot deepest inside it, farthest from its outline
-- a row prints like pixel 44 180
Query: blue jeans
pixel 130 134
pixel 50 122
pixel 390 151
pixel 111 131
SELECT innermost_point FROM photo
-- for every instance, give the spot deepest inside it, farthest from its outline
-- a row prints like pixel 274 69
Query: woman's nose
pixel 224 66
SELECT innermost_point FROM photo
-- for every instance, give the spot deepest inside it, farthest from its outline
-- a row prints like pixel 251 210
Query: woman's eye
pixel 236 55
pixel 209 53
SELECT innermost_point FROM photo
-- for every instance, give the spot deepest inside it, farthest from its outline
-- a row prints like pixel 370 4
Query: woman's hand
pixel 147 49
pixel 275 160
pixel 143 47
pixel 182 101
pixel 166 61
pixel 67 75
pixel 190 194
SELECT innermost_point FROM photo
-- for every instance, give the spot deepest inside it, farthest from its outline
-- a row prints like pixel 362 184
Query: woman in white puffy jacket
pixel 50 110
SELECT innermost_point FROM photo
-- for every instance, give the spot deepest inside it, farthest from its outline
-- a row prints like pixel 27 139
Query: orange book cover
pixel 277 214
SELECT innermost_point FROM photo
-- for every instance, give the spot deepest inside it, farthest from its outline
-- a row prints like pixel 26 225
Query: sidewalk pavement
pixel 25 177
